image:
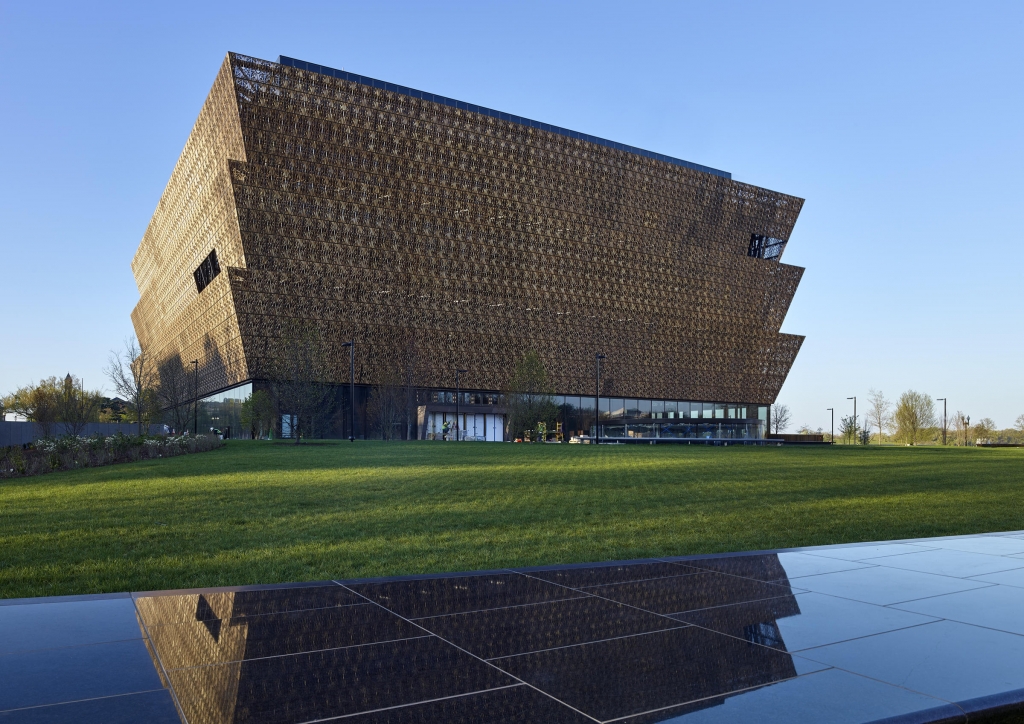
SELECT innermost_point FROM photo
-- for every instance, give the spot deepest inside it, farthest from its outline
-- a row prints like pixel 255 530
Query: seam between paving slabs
pixel 955 620
pixel 665 615
pixel 78 701
pixel 496 608
pixel 484 661
pixel 415 703
pixel 71 646
pixel 796 590
pixel 258 615
pixel 298 653
pixel 596 641
pixel 669 617
pixel 163 670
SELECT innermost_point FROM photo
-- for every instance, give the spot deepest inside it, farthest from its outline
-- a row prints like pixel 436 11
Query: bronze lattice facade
pixel 374 212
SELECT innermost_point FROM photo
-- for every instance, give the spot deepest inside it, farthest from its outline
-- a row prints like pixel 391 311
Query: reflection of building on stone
pixel 199 628
pixel 755 621
pixel 763 615
pixel 235 657
pixel 209 642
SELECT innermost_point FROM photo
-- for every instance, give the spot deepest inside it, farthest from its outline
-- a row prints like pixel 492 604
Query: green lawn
pixel 256 512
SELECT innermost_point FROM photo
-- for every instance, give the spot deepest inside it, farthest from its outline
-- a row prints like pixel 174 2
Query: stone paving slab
pixel 925 630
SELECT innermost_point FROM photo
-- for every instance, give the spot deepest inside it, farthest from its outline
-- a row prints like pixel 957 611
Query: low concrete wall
pixel 22 433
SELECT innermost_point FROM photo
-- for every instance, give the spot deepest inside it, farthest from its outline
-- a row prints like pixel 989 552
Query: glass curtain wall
pixel 222 413
pixel 633 419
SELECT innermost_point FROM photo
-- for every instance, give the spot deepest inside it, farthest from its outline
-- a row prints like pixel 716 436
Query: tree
pixel 914 412
pixel 386 407
pixel 878 412
pixel 113 409
pixel 410 368
pixel 75 407
pixel 530 396
pixel 37 403
pixel 258 414
pixel 133 375
pixel 174 393
pixel 780 418
pixel 298 380
pixel 961 426
pixel 849 428
pixel 984 429
pixel 1019 424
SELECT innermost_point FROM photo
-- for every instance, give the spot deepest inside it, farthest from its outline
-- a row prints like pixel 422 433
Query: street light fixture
pixel 943 419
pixel 597 400
pixel 195 398
pixel 458 394
pixel 833 411
pixel 351 388
pixel 854 418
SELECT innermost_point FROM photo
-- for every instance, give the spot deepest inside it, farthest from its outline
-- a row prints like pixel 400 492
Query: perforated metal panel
pixel 380 216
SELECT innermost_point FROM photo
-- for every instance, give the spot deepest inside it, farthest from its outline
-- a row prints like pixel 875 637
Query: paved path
pixel 924 630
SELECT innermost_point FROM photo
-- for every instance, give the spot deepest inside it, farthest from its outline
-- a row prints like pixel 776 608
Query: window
pixel 765 247
pixel 765 633
pixel 206 271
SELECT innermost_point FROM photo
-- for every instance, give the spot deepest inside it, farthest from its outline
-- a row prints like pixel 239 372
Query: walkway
pixel 927 630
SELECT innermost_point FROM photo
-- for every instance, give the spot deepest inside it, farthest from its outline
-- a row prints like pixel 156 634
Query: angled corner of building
pixel 196 221
pixel 308 195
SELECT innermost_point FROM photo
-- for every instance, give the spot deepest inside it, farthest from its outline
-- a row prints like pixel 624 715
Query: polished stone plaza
pixel 926 630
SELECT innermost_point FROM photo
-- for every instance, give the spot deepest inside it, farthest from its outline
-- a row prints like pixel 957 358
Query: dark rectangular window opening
pixel 207 270
pixel 765 247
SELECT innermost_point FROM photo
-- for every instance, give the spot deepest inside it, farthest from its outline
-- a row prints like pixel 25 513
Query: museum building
pixel 312 207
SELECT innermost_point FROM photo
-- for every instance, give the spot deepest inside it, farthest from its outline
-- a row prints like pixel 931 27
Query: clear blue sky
pixel 899 123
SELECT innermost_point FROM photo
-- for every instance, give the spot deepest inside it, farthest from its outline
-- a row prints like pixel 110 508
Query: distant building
pixel 458 237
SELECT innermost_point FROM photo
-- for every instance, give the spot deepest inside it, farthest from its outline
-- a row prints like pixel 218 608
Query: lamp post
pixel 195 398
pixel 854 418
pixel 458 394
pixel 943 419
pixel 351 344
pixel 833 411
pixel 597 400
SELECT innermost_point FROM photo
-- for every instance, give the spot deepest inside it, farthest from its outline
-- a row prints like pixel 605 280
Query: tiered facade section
pixel 386 216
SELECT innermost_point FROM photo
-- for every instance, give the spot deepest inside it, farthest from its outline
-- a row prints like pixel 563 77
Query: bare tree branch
pixel 75 407
pixel 174 391
pixel 878 412
pixel 131 373
pixel 781 417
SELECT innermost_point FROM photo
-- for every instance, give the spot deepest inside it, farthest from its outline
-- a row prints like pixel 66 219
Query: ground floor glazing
pixel 481 417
